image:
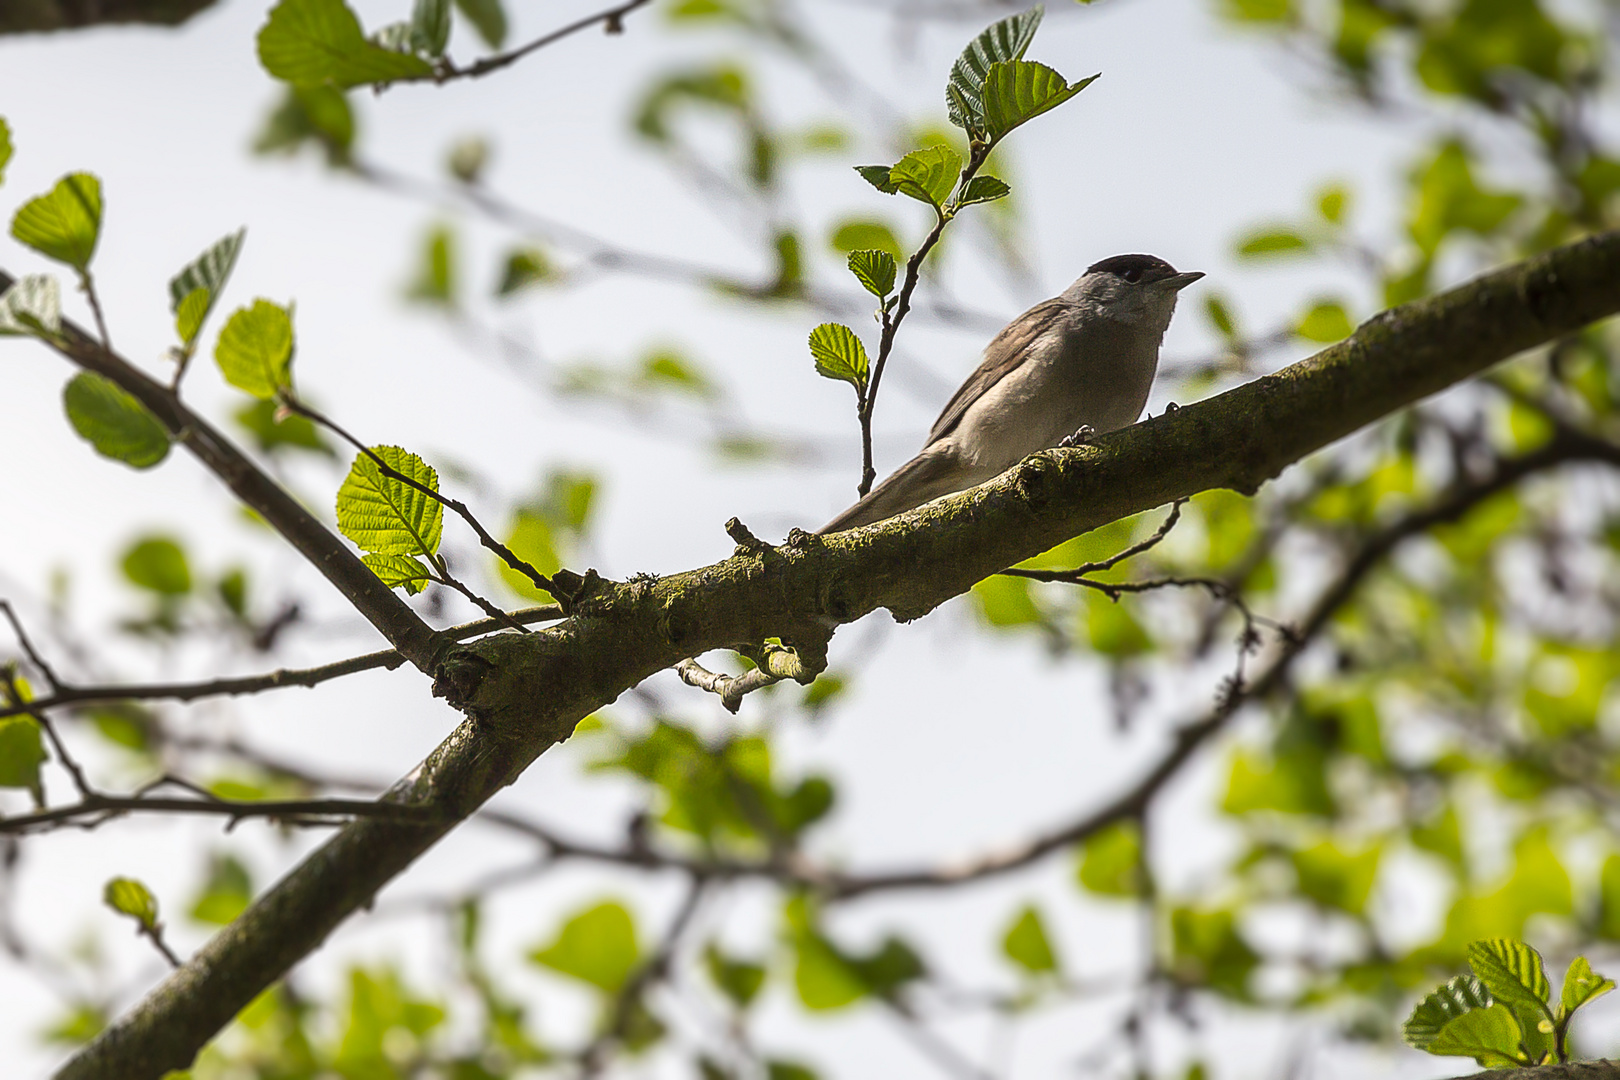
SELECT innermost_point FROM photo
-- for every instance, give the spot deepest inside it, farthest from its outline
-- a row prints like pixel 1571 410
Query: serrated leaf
pixel 22 752
pixel 319 43
pixel 63 224
pixel 33 305
pixel 208 272
pixel 875 270
pixel 430 26
pixel 1490 1036
pixel 1581 984
pixel 1017 91
pixel 1511 971
pixel 1027 945
pixel 982 189
pixel 878 177
pixel 1461 994
pixel 255 349
pixel 5 147
pixel 488 18
pixel 839 354
pixel 399 571
pixel 927 175
pixel 113 422
pixel 1002 41
pixel 386 516
pixel 129 897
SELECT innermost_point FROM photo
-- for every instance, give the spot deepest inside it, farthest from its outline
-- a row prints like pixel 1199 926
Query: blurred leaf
pixel 1462 994
pixel 82 1023
pixel 255 349
pixel 435 281
pixel 158 564
pixel 1336 878
pixel 668 369
pixel 1259 11
pixel 737 979
pixel 468 158
pixel 33 305
pixel 1326 321
pixel 1581 984
pixel 776 1069
pixel 1005 40
pixel 273 432
pixel 22 752
pixel 1441 835
pixel 387 516
pixel 530 539
pixel 129 897
pixel 1332 203
pixel 1111 861
pixel 1609 899
pixel 855 234
pixel 1271 242
pixel 1006 602
pixel 488 18
pixel 319 42
pixel 1220 316
pixel 596 946
pixel 1291 783
pixel 430 26
pixel 839 354
pixel 1208 951
pixel 1017 91
pixel 721 86
pixel 225 894
pixel 64 223
pixel 309 113
pixel 1027 945
pixel 1111 629
pixel 5 147
pixel 1476 48
pixel 381 1009
pixel 524 267
pixel 124 724
pixel 875 270
pixel 1449 199
pixel 113 422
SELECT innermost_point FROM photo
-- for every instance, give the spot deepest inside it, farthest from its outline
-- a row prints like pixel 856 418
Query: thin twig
pixel 28 646
pixel 253 684
pixel 98 809
pixel 612 21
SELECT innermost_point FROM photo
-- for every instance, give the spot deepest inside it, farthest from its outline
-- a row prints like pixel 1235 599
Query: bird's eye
pixel 1132 275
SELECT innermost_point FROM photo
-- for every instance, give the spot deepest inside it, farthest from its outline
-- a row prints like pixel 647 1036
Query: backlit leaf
pixel 982 189
pixel 1490 1036
pixel 255 349
pixel 1511 971
pixel 129 897
pixel 113 422
pixel 597 946
pixel 1581 984
pixel 927 175
pixel 875 270
pixel 22 752
pixel 319 42
pixel 1027 945
pixel 1006 40
pixel 1017 91
pixel 388 516
pixel 33 305
pixel 1462 993
pixel 399 571
pixel 208 274
pixel 63 224
pixel 839 354
pixel 157 564
pixel 430 26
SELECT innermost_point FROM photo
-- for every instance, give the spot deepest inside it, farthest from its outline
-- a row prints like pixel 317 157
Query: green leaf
pixel 1017 91
pixel 255 349
pixel 488 18
pixel 319 42
pixel 596 946
pixel 1111 861
pixel 435 274
pixel 1332 203
pixel 113 422
pixel 272 432
pixel 1027 945
pixel 430 26
pixel 738 980
pixel 1220 316
pixel 33 305
pixel 776 1069
pixel 388 516
pixel 839 354
pixel 1581 984
pixel 225 894
pixel 22 752
pixel 1490 1036
pixel 157 564
pixel 129 897
pixel 399 571
pixel 1326 322
pixel 523 268
pixel 1006 40
pixel 875 270
pixel 878 177
pixel 855 234
pixel 318 114
pixel 194 290
pixel 982 189
pixel 5 147
pixel 1462 994
pixel 1271 242
pixel 1511 971
pixel 1336 878
pixel 63 224
pixel 927 175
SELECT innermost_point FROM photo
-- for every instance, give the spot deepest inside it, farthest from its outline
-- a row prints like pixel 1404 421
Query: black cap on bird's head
pixel 1143 270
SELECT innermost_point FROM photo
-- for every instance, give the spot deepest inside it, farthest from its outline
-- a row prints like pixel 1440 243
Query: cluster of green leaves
pixel 1502 1015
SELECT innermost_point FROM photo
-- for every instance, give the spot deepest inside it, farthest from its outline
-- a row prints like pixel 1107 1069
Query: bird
pixel 1079 364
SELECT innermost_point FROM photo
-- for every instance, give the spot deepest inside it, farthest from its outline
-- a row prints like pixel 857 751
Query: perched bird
pixel 1082 360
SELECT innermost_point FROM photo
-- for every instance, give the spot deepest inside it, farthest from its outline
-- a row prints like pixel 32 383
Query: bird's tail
pixel 926 476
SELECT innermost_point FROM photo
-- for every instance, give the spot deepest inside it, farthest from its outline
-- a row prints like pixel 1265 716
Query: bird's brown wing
pixel 1000 356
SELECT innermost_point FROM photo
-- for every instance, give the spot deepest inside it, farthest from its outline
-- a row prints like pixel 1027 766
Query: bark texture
pixel 523 693
pixel 33 16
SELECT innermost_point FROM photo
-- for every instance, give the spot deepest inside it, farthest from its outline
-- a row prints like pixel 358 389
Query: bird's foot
pixel 1081 437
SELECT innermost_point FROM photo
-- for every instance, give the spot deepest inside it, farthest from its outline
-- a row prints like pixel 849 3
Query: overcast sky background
pixel 952 743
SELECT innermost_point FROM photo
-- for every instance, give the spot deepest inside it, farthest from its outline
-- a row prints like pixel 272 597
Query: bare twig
pixel 612 21
pixel 28 646
pixel 96 809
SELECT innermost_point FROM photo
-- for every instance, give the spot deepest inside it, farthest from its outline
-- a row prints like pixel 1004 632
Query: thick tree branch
pixel 21 16
pixel 523 693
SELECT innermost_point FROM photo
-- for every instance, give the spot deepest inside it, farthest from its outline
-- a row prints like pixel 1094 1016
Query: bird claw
pixel 1082 436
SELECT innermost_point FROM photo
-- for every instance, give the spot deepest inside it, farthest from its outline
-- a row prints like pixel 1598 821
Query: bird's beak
pixel 1181 281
